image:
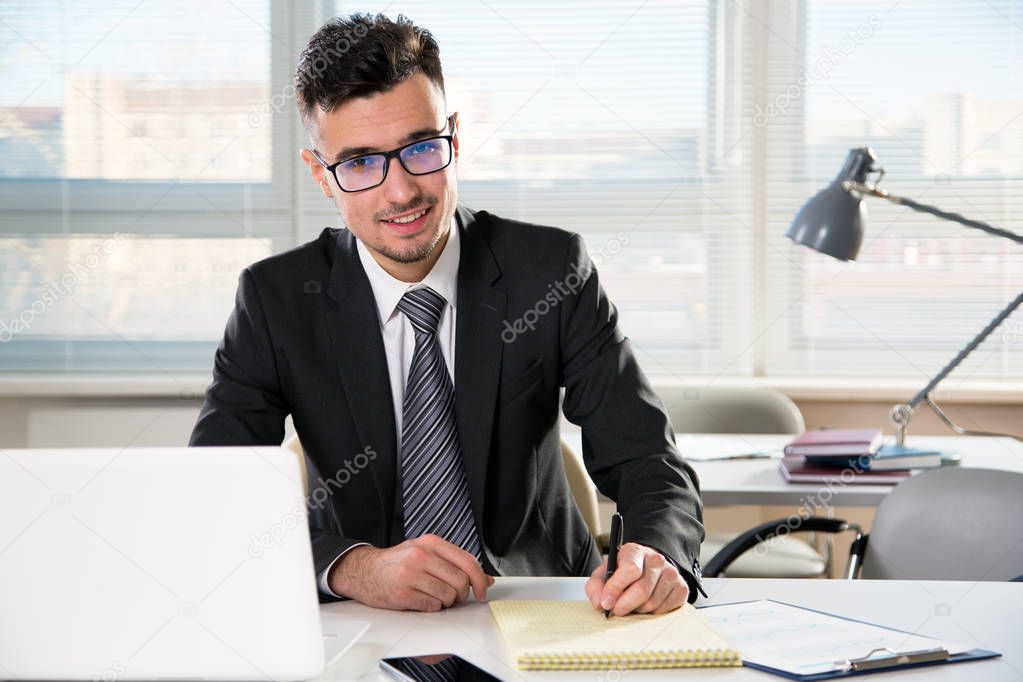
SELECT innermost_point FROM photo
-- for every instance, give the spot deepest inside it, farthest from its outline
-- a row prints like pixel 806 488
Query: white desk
pixel 758 481
pixel 986 615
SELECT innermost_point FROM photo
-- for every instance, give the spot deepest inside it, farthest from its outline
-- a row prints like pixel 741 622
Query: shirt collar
pixel 442 278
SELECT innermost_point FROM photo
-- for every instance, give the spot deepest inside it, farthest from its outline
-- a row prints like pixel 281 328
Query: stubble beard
pixel 415 252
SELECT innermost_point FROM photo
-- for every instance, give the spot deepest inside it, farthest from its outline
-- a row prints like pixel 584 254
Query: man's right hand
pixel 427 573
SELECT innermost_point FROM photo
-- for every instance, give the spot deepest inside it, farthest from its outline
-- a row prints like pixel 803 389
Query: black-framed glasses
pixel 370 170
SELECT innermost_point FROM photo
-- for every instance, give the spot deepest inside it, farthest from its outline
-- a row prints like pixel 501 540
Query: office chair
pixel 715 409
pixel 584 492
pixel 308 471
pixel 942 524
pixel 721 409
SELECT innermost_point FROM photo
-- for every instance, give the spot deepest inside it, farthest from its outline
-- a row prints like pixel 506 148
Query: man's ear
pixel 454 132
pixel 318 172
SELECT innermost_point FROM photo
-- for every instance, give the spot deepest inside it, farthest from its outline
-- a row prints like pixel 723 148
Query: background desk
pixel 758 481
pixel 987 615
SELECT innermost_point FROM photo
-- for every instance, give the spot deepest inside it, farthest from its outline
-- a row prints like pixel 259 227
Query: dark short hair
pixel 361 55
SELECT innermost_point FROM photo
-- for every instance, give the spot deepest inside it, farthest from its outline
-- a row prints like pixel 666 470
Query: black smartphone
pixel 434 668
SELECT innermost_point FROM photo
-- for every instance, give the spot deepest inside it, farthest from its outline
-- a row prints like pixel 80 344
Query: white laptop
pixel 156 563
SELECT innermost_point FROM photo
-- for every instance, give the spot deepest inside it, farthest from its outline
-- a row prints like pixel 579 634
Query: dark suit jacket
pixel 304 339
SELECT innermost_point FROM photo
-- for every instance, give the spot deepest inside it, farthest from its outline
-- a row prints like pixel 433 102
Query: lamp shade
pixel 832 220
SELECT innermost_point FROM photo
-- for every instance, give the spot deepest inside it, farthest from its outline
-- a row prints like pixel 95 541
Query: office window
pixel 935 89
pixel 600 117
pixel 642 128
pixel 137 148
pixel 678 137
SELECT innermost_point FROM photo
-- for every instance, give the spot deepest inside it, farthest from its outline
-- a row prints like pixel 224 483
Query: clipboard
pixel 882 665
pixel 796 635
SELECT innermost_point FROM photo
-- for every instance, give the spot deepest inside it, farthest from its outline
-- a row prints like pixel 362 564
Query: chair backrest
pixel 583 490
pixel 949 524
pixel 295 445
pixel 722 409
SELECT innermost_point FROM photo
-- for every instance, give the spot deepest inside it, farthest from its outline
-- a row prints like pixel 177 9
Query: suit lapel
pixel 478 349
pixel 362 363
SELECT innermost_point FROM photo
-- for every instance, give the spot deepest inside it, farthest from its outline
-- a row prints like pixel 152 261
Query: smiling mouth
pixel 410 218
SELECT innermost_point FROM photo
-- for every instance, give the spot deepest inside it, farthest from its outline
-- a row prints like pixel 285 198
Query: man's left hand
pixel 644 582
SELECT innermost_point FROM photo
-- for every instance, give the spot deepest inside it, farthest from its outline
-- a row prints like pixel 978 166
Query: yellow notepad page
pixel 572 635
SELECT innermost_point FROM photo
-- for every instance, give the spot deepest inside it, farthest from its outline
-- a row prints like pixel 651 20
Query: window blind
pixel 601 118
pixel 136 179
pixel 679 138
pixel 935 90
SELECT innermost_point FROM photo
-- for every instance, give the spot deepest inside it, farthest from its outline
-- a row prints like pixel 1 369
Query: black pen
pixel 612 554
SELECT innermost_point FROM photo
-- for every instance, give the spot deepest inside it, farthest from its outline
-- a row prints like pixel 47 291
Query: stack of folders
pixel 572 635
pixel 854 456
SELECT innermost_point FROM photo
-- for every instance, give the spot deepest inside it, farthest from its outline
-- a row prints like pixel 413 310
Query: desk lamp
pixel 832 222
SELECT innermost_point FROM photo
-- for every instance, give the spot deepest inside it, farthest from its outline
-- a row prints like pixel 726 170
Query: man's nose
pixel 399 186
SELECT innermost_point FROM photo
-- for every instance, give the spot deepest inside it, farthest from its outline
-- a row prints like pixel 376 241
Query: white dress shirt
pixel 399 336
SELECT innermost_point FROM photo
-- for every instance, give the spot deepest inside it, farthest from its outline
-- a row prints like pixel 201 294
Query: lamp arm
pixel 969 348
pixel 901 414
pixel 875 191
pixel 966 432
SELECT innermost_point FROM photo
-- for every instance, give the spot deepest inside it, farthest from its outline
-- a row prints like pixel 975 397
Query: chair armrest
pixel 765 531
pixel 856 552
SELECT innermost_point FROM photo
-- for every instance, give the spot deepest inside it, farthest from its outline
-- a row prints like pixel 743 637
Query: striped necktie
pixel 435 493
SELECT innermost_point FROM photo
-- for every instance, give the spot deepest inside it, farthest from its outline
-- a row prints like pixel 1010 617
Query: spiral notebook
pixel 572 635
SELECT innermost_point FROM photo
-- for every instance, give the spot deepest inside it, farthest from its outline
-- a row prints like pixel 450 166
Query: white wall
pixel 41 422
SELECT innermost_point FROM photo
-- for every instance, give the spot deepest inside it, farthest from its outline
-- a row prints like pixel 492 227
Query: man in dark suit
pixel 420 353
